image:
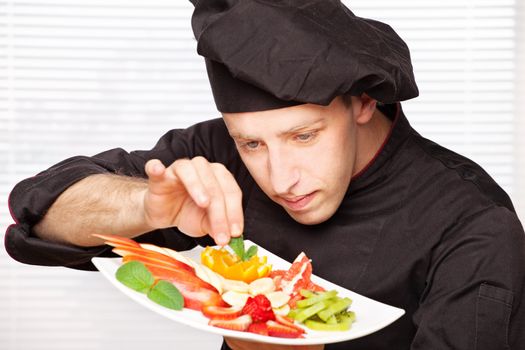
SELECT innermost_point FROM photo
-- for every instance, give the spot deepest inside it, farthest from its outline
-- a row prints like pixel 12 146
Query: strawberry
pixel 240 323
pixel 287 321
pixel 276 329
pixel 263 302
pixel 250 307
pixel 259 308
pixel 258 328
pixel 221 313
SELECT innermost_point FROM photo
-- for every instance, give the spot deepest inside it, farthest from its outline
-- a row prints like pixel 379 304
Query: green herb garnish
pixel 136 276
pixel 166 294
pixel 250 252
pixel 237 245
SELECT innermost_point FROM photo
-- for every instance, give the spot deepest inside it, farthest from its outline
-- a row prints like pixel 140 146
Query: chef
pixel 312 153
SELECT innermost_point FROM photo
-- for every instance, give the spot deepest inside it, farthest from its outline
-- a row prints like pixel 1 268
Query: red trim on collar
pixel 385 141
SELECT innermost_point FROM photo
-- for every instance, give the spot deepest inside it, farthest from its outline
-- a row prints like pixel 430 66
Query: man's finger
pixel 157 181
pixel 216 209
pixel 183 170
pixel 232 199
pixel 154 169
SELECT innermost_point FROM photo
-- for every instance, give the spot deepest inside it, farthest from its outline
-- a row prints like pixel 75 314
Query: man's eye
pixel 305 137
pixel 251 145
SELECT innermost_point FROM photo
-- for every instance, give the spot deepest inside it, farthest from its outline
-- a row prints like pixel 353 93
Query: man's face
pixel 302 157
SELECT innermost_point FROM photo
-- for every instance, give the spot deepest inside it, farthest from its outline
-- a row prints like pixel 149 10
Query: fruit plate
pixel 371 315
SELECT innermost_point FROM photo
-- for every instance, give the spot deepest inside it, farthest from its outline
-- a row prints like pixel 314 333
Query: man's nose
pixel 284 172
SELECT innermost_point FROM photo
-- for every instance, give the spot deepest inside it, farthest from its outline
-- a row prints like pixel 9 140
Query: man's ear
pixel 363 108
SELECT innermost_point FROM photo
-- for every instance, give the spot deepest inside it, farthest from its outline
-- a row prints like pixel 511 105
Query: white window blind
pixel 79 77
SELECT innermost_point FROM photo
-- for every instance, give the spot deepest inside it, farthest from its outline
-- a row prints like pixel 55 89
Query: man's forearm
pixel 101 203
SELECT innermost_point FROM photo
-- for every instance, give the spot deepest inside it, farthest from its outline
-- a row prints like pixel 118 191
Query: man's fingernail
pixel 222 238
pixel 203 198
pixel 155 168
pixel 236 230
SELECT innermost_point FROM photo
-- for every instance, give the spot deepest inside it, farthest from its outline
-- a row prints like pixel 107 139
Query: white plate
pixel 371 315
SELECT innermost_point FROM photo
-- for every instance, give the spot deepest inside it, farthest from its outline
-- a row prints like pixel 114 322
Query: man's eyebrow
pixel 238 135
pixel 301 126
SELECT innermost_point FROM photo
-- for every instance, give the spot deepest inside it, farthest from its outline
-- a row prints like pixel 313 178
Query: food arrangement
pixel 236 290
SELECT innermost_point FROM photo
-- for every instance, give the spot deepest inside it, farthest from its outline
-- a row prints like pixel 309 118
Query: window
pixel 79 77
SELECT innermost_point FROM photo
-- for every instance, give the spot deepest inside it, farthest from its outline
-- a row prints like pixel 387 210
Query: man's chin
pixel 309 217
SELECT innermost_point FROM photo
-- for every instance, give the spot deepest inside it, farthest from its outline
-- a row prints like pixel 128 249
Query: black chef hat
pixel 267 54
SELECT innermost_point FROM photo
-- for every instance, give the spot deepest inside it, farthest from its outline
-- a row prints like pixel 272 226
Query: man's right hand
pixel 196 196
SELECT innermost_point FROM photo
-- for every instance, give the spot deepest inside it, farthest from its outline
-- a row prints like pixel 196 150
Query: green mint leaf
pixel 166 294
pixel 237 245
pixel 250 252
pixel 135 275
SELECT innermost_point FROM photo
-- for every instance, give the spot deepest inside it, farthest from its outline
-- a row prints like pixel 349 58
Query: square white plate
pixel 371 315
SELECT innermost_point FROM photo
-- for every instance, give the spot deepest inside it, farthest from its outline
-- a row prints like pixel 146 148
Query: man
pixel 313 154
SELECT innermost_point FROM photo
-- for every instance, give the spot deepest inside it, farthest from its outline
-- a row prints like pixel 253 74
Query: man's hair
pixel 347 100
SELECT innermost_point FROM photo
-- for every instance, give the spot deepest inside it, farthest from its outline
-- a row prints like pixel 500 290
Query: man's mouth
pixel 297 203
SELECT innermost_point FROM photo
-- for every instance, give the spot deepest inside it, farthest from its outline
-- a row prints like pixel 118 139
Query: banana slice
pixel 283 310
pixel 208 275
pixel 278 299
pixel 235 299
pixel 263 285
pixel 234 285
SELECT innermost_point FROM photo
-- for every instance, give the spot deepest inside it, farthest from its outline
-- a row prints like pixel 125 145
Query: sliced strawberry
pixel 263 316
pixel 250 307
pixel 263 302
pixel 259 308
pixel 284 319
pixel 258 328
pixel 197 299
pixel 240 323
pixel 276 329
pixel 287 321
pixel 221 313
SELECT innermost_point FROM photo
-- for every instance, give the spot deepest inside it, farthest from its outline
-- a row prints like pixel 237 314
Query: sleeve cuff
pixel 28 249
